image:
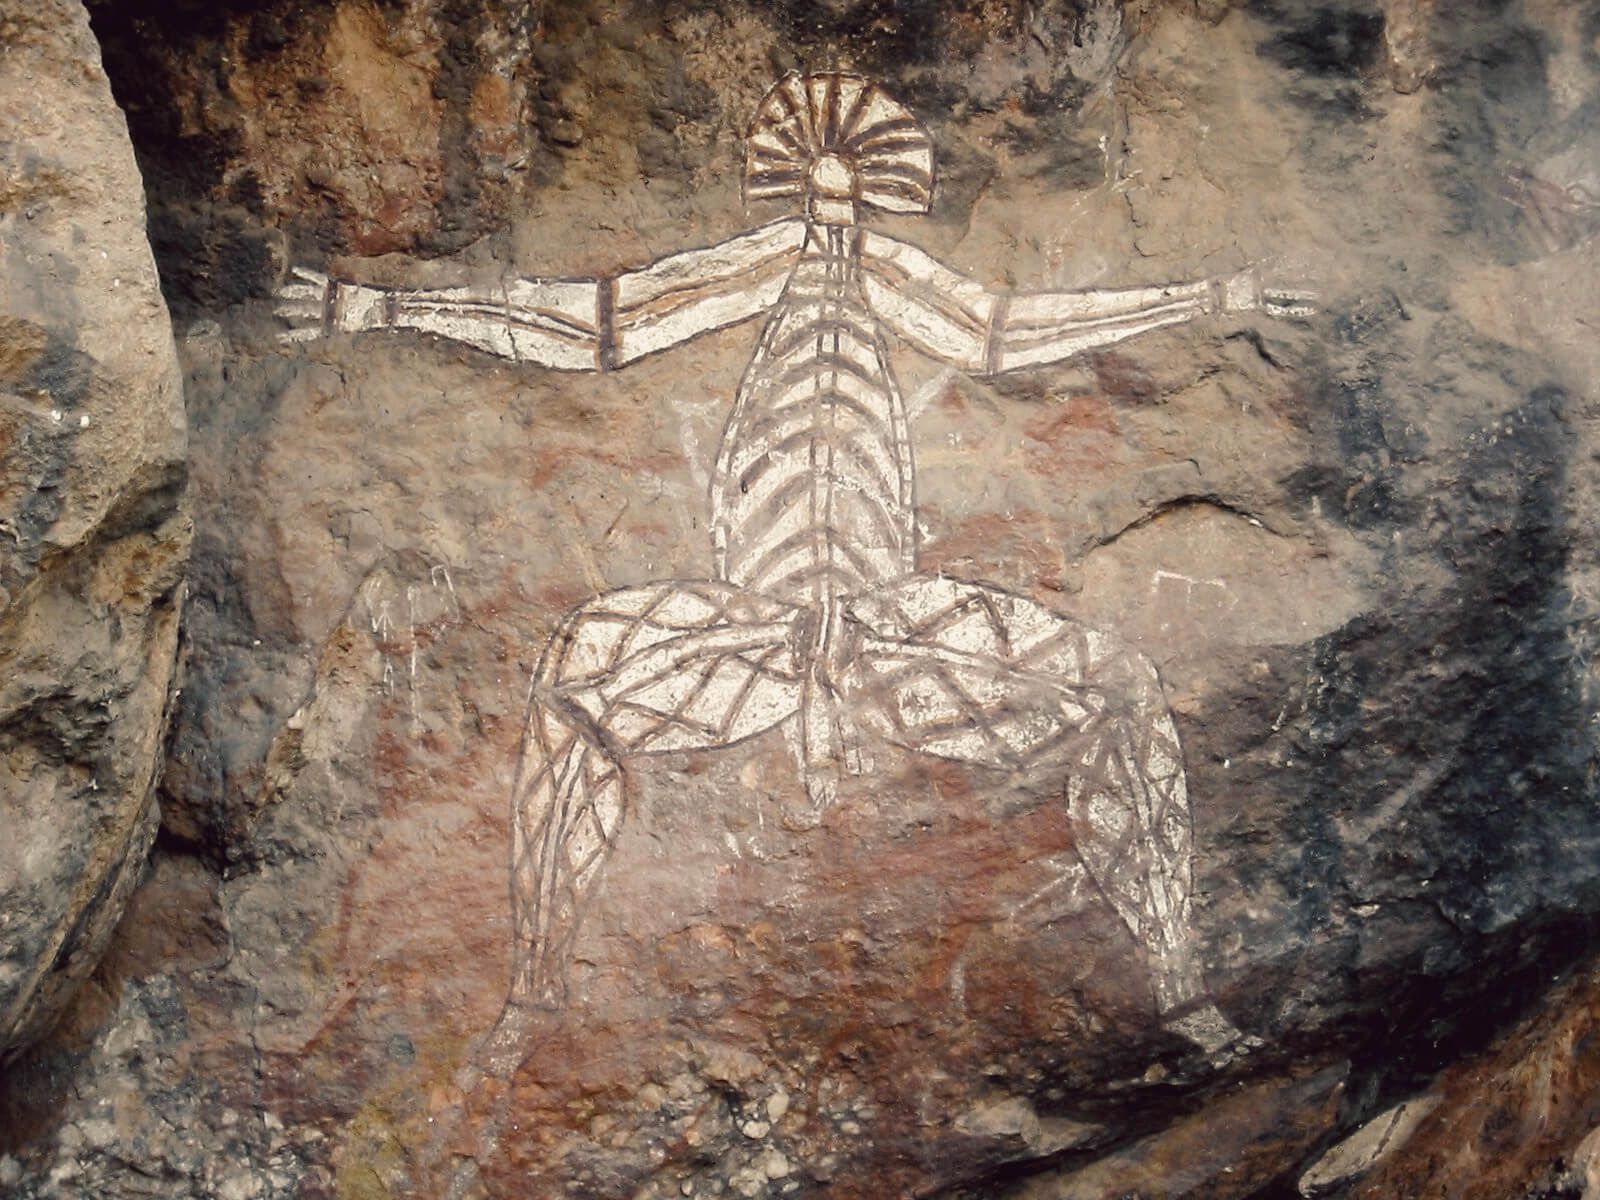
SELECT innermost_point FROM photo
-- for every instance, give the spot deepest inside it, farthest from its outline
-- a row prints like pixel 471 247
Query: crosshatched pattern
pixel 817 622
pixel 676 666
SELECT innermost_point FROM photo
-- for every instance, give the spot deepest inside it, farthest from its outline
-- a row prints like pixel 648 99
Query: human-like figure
pixel 814 618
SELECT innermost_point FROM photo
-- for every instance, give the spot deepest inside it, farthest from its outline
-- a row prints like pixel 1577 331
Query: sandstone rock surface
pixel 1356 545
pixel 92 535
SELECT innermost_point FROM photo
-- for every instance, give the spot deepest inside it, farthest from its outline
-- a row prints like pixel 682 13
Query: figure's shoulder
pixel 784 232
pixel 900 263
pixel 873 244
pixel 776 240
pixel 876 247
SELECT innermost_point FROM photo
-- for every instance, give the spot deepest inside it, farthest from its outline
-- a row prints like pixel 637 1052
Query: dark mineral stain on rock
pixel 1333 39
pixel 1330 54
pixel 463 23
pixel 206 229
pixel 39 452
pixel 1491 99
pixel 1466 664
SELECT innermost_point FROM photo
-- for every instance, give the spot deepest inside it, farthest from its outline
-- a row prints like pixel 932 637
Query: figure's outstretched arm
pixel 568 324
pixel 961 322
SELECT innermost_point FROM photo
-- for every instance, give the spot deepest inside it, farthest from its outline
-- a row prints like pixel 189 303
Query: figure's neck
pixel 831 210
pixel 830 241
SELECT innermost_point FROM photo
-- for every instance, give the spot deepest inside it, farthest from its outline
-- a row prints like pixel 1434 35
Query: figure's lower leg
pixel 567 806
pixel 1136 843
pixel 1177 984
pixel 567 810
pixel 1182 1000
pixel 1175 977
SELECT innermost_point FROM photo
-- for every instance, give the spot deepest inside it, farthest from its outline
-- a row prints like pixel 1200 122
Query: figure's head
pixel 840 142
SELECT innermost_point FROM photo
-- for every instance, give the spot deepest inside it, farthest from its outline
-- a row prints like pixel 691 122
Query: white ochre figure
pixel 815 618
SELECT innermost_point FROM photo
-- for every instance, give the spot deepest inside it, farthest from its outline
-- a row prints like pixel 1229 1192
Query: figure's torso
pixel 812 495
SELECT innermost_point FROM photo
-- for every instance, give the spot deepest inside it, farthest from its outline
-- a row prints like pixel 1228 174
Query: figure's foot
pixel 1217 1037
pixel 506 1047
pixel 468 1130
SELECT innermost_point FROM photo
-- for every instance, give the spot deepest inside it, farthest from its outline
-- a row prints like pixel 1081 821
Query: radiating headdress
pixel 836 138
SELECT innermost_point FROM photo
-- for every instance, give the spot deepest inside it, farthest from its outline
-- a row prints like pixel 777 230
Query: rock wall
pixel 1193 771
pixel 94 535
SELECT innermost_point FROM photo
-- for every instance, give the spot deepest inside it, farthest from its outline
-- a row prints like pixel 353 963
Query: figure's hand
pixel 315 306
pixel 1244 293
pixel 306 302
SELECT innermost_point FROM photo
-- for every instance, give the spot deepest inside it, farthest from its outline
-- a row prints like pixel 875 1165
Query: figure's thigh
pixel 672 666
pixel 976 673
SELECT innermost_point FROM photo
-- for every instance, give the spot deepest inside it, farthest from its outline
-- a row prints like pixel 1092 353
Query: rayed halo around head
pixel 839 136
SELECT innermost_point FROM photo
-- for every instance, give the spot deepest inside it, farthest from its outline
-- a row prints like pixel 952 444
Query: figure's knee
pixel 589 638
pixel 1142 673
pixel 1118 667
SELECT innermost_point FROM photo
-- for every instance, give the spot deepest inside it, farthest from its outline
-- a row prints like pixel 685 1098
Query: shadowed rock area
pixel 1202 803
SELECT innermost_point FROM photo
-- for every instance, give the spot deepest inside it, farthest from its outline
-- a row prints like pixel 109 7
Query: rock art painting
pixel 814 618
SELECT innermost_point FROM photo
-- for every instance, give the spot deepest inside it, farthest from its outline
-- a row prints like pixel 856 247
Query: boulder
pixel 93 535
